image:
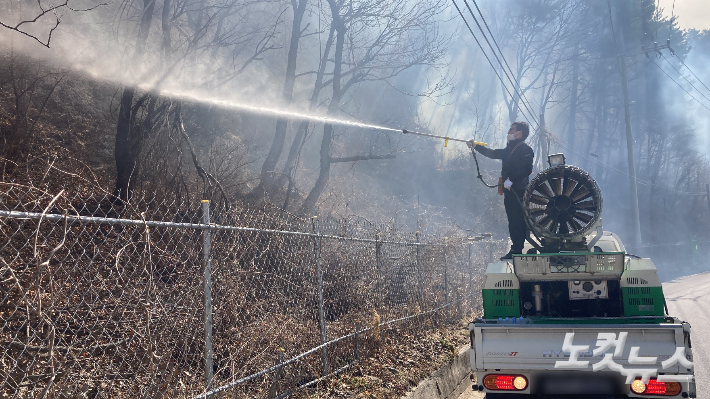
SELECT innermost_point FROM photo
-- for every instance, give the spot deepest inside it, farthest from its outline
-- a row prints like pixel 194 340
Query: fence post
pixel 321 311
pixel 458 303
pixel 206 247
pixel 421 282
pixel 419 272
pixel 490 252
pixel 378 261
pixel 276 384
pixel 470 271
pixel 446 275
pixel 358 327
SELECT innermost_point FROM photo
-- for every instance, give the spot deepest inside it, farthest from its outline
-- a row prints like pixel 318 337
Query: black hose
pixel 478 171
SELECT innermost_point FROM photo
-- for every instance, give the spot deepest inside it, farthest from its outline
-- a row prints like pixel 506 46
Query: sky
pixel 692 14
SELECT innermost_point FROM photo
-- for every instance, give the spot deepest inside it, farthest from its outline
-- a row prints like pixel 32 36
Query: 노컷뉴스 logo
pixel 606 341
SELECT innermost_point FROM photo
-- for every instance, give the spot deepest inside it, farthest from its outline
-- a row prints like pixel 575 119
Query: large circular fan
pixel 562 202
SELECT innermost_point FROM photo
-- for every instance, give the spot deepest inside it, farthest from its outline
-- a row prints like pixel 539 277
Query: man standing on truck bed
pixel 517 160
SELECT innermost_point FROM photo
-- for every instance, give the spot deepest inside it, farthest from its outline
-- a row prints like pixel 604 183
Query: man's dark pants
pixel 516 219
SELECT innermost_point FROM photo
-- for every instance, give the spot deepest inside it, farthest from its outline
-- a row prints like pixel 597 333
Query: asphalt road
pixel 688 299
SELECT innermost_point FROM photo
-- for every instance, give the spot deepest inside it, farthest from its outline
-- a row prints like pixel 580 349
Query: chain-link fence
pixel 163 299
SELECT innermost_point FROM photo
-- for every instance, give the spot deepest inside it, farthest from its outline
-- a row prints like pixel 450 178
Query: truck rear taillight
pixel 655 387
pixel 505 382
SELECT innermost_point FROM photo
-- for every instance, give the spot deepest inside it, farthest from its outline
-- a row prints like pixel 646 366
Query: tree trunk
pixel 542 138
pixel 594 128
pixel 15 135
pixel 573 103
pixel 310 202
pixel 602 135
pixel 268 168
pixel 166 48
pixel 129 138
pixel 295 150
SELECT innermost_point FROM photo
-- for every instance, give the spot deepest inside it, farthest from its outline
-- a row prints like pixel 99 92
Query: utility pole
pixel 572 126
pixel 542 129
pixel 635 217
pixel 543 140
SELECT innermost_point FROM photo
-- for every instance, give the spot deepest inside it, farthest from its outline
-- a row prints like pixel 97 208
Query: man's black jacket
pixel 516 166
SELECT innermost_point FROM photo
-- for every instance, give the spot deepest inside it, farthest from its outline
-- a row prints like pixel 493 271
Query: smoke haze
pixel 422 70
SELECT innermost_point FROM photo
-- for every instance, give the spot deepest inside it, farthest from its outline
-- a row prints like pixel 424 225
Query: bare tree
pixel 289 169
pixel 533 32
pixel 29 85
pixel 269 166
pixel 189 32
pixel 39 21
pixel 384 38
pixel 129 134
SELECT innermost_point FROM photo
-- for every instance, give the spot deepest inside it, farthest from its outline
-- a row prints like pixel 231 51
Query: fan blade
pixel 556 185
pixel 580 186
pixel 546 223
pixel 569 186
pixel 585 205
pixel 536 199
pixel 555 224
pixel 564 228
pixel 543 189
pixel 581 195
pixel 535 212
pixel 576 226
pixel 583 216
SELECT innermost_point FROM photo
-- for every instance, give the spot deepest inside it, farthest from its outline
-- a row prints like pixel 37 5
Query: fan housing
pixel 562 203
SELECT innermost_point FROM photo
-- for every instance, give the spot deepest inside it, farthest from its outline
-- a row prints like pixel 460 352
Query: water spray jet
pixel 155 87
pixel 301 115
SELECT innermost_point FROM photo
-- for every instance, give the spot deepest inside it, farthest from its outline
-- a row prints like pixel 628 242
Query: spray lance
pixel 446 143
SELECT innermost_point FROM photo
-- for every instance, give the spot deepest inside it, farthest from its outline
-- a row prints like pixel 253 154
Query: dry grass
pixel 102 310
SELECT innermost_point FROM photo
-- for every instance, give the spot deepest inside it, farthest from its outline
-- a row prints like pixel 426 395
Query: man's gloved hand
pixel 507 184
pixel 472 145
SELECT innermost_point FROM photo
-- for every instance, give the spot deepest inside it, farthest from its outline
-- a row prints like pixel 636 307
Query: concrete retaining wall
pixel 448 382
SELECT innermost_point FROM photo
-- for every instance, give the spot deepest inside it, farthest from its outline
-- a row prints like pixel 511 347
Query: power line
pixel 681 75
pixel 475 3
pixel 492 37
pixel 495 70
pixel 513 81
pixel 564 145
pixel 679 85
pixel 524 100
pixel 691 71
